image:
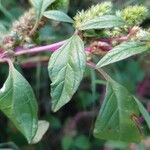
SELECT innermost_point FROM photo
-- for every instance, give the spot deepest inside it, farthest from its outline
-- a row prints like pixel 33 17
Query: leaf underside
pixel 107 21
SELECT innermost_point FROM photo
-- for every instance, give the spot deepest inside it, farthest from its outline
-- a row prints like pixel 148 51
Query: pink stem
pixel 52 48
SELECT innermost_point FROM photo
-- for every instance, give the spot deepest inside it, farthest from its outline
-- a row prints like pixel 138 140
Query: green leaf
pixel 143 112
pixel 121 52
pixel 40 6
pixel 107 21
pixel 66 68
pixel 58 16
pixel 18 103
pixel 116 118
pixel 42 129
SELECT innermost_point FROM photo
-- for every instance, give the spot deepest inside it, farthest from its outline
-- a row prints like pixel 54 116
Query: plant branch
pixel 101 71
pixel 52 48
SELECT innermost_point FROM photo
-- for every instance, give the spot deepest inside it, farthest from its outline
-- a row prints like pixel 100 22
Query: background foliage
pixel 71 127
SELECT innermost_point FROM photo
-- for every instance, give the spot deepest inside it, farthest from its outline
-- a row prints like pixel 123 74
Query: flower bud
pixel 134 15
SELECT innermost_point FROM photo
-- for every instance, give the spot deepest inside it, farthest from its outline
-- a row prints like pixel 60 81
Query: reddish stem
pixel 52 48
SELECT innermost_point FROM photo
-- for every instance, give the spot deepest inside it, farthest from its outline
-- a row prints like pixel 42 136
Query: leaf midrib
pixel 66 66
pixel 119 114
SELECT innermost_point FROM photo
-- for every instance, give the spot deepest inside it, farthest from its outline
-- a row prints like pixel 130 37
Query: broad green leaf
pixel 42 128
pixel 116 118
pixel 121 52
pixel 18 103
pixel 107 21
pixel 58 16
pixel 143 112
pixel 40 6
pixel 66 68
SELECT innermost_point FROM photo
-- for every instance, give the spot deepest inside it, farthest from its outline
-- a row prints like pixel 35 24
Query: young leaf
pixel 18 103
pixel 107 21
pixel 58 16
pixel 66 68
pixel 40 6
pixel 116 118
pixel 121 52
pixel 143 112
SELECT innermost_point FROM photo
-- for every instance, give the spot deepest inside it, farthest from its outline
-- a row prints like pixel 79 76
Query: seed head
pixel 93 12
pixel 134 15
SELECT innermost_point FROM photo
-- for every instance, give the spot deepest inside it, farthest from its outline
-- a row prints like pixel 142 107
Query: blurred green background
pixel 71 127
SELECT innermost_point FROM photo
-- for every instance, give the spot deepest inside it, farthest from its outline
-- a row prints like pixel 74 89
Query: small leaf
pixel 42 128
pixel 121 52
pixel 40 6
pixel 143 112
pixel 116 118
pixel 58 16
pixel 107 21
pixel 18 103
pixel 66 68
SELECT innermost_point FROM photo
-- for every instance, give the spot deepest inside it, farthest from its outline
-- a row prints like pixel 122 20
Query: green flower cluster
pixel 133 15
pixel 93 12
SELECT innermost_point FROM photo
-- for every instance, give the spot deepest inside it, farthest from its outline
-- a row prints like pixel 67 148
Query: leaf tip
pixel 55 108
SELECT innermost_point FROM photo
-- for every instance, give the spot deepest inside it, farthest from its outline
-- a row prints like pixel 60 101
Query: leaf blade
pixel 42 129
pixel 143 112
pixel 58 16
pixel 106 21
pixel 18 103
pixel 66 73
pixel 115 117
pixel 40 6
pixel 121 52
